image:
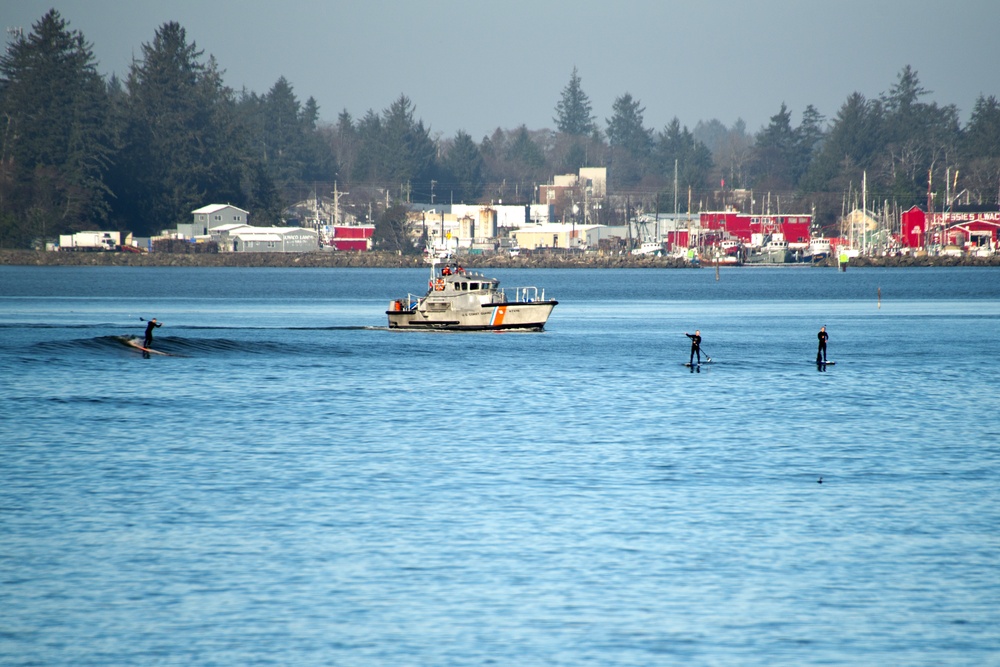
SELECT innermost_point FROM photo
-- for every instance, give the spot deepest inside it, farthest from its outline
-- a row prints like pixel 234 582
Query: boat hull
pixel 488 317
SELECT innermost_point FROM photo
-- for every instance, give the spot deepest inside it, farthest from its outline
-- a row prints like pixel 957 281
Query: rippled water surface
pixel 296 484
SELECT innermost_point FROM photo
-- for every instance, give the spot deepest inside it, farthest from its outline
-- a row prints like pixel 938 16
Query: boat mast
pixel 864 211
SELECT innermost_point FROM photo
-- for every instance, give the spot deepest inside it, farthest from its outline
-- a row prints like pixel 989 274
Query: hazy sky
pixel 476 66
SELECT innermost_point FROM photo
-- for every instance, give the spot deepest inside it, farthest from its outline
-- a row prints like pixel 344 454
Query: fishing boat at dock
pixel 462 300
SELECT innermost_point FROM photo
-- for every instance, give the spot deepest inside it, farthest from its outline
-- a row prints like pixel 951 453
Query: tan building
pixel 558 235
pixel 575 195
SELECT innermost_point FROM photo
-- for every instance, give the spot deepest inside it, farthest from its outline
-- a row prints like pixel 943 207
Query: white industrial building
pixel 245 238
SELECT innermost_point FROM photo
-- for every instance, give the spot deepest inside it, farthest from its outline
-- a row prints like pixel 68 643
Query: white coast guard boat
pixel 461 300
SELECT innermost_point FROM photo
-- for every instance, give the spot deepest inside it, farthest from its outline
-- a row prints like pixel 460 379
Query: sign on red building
pixel 919 229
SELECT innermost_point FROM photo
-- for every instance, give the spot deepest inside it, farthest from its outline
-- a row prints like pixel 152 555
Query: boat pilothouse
pixel 462 300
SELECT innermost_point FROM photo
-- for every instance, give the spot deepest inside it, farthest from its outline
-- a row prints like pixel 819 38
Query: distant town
pixel 565 224
pixel 171 161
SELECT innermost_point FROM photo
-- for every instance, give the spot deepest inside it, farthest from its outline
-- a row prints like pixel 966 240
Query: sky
pixel 477 66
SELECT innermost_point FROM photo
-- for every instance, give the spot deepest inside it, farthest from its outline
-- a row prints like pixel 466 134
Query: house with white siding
pixel 209 217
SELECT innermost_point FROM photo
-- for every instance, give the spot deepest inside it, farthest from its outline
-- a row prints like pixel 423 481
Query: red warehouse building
pixel 352 237
pixel 742 226
pixel 919 229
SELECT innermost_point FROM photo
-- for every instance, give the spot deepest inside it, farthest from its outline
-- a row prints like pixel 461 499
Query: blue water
pixel 298 485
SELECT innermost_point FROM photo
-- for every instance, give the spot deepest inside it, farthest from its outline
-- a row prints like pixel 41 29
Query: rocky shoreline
pixel 391 260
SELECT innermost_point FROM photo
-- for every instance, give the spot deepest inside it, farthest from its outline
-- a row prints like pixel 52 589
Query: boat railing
pixel 523 294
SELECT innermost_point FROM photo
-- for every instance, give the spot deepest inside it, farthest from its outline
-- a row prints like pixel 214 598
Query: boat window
pixel 473 286
pixel 465 286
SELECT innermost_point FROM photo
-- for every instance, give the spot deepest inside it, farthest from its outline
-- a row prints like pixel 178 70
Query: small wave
pixel 179 346
pixel 45 325
pixel 198 327
pixel 81 344
pixel 191 346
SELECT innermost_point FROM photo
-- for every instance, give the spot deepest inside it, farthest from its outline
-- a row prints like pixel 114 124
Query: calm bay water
pixel 299 485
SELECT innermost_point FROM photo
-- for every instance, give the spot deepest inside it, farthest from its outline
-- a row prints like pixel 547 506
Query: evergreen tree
pixel 808 138
pixel 408 151
pixel 713 133
pixel 902 107
pixel 465 166
pixel 524 151
pixel 174 156
pixel 917 137
pixel 513 163
pixel 625 127
pixel 395 148
pixel 310 114
pixel 344 143
pixel 185 140
pixel 226 162
pixel 982 135
pixel 981 151
pixel 850 148
pixel 283 140
pixel 57 145
pixel 775 151
pixel 368 164
pixel 573 111
pixel 677 146
pixel 631 143
pixel 285 137
pixel 574 158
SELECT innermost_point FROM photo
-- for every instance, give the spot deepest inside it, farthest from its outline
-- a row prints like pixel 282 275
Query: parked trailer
pixel 90 241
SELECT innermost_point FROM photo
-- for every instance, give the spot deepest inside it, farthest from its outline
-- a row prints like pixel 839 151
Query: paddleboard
pixel 134 342
pixel 826 363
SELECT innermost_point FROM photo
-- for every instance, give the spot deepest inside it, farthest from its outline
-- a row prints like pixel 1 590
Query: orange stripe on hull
pixel 498 314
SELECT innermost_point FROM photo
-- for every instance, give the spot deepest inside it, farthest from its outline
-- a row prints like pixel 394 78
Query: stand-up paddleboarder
pixel 821 350
pixel 695 345
pixel 148 341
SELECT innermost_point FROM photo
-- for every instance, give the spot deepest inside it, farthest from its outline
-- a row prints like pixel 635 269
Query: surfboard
pixel 134 343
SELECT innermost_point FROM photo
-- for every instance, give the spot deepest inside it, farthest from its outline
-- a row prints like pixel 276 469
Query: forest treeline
pixel 83 151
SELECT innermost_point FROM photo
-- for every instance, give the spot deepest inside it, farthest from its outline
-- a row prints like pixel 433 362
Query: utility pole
pixel 657 226
pixel 628 220
pixel 336 202
pixel 675 189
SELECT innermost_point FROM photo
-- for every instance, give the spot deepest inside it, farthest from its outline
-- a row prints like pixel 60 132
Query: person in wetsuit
pixel 821 350
pixel 149 332
pixel 695 345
